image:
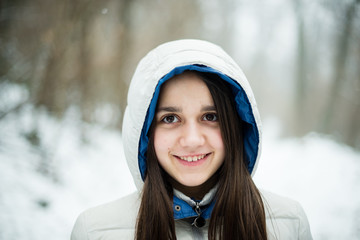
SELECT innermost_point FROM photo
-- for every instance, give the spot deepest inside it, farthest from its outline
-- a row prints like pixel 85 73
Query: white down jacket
pixel 285 218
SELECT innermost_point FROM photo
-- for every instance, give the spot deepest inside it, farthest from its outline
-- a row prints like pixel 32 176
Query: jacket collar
pixel 184 206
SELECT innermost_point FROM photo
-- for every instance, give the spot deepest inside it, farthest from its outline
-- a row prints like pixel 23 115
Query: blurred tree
pixel 301 71
pixel 82 53
pixel 353 130
pixel 6 9
pixel 340 63
pixel 334 115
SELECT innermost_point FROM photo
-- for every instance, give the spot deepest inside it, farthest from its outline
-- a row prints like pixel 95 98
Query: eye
pixel 170 119
pixel 212 117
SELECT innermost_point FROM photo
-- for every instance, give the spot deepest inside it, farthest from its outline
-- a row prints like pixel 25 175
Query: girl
pixel 192 140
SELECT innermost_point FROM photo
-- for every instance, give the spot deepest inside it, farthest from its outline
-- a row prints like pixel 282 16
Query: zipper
pixel 199 221
pixel 197 208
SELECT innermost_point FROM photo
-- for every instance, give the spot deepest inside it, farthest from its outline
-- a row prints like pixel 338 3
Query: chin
pixel 192 183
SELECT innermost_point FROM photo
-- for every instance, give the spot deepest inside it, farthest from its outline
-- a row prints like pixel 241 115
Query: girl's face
pixel 187 140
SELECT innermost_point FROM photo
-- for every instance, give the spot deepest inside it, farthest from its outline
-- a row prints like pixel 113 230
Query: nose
pixel 192 135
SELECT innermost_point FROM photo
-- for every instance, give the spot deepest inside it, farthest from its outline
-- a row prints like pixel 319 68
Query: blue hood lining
pixel 243 106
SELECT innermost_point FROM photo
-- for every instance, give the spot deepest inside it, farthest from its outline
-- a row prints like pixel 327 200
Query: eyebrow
pixel 177 109
pixel 208 108
pixel 168 109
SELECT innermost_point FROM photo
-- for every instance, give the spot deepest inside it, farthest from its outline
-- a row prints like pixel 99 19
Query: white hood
pixel 166 61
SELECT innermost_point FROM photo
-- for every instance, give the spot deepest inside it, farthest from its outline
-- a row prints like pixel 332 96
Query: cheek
pixel 160 142
pixel 217 140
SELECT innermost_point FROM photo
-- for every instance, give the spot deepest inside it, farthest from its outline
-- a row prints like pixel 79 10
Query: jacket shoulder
pixel 113 220
pixel 285 218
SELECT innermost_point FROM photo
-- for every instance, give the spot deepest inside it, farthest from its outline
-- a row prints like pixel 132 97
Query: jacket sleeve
pixel 304 227
pixel 79 231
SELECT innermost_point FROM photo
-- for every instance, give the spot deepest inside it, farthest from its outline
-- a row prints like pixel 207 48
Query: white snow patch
pixel 319 173
pixel 47 183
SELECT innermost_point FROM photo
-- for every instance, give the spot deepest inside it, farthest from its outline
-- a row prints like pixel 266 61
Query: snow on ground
pixel 319 173
pixel 86 167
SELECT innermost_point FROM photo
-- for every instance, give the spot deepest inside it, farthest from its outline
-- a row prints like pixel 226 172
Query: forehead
pixel 186 79
pixel 187 86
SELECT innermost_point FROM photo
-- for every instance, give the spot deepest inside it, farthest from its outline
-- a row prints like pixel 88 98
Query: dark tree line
pixel 82 54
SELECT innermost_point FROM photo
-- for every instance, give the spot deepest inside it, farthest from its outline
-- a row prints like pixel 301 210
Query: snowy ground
pixel 87 167
pixel 322 175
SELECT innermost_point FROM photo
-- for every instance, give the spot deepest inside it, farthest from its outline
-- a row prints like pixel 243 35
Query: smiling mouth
pixel 193 158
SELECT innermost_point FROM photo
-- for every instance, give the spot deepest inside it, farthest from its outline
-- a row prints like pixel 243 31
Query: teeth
pixel 193 159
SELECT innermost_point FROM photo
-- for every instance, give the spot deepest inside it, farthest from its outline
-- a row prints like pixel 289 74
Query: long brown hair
pixel 238 212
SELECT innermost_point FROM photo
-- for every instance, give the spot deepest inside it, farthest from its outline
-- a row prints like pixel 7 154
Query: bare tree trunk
pixel 353 129
pixel 6 10
pixel 353 133
pixel 125 50
pixel 339 68
pixel 84 81
pixel 49 89
pixel 225 38
pixel 301 70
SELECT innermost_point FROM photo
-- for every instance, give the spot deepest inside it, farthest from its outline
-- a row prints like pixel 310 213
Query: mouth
pixel 193 158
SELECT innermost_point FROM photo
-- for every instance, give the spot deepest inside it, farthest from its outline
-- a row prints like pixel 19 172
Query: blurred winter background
pixel 65 67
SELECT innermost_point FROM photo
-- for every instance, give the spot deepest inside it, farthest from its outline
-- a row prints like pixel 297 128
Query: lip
pixel 199 159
